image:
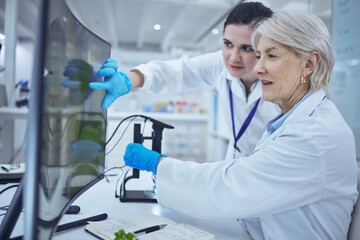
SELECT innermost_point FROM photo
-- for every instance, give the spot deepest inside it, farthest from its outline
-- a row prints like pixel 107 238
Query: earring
pixel 303 80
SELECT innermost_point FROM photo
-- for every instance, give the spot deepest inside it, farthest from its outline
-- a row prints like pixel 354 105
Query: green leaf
pixel 121 235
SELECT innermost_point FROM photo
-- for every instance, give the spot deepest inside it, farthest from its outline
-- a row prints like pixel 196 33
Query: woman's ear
pixel 312 60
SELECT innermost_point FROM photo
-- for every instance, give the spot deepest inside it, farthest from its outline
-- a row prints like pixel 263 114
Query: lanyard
pixel 246 122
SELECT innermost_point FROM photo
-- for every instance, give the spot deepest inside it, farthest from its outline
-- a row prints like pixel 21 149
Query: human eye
pixel 228 44
pixel 257 57
pixel 271 56
pixel 247 48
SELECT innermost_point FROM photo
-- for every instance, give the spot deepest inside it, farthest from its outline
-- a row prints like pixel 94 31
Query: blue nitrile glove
pixel 139 157
pixel 116 83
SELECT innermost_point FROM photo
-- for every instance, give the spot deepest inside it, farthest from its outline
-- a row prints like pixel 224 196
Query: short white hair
pixel 303 32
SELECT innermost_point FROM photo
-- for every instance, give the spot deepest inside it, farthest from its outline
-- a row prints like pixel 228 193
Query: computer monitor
pixel 66 141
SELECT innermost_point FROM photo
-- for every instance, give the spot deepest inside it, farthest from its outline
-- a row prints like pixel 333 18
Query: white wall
pixel 24 61
pixel 345 83
pixel 23 70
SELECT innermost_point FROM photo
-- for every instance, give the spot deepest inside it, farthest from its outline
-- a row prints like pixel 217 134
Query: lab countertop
pixel 101 199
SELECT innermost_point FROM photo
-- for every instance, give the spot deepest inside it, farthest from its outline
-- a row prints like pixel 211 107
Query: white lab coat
pixel 299 183
pixel 209 70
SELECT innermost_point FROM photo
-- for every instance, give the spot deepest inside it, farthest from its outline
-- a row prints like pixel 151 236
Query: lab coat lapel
pixel 238 89
pixel 256 91
pixel 307 106
pixel 303 110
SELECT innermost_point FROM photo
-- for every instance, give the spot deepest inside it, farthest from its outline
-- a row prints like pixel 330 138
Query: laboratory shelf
pixel 218 135
pixel 13 113
pixel 184 117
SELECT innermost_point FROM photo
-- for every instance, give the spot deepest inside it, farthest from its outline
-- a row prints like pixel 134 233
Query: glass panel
pixel 73 131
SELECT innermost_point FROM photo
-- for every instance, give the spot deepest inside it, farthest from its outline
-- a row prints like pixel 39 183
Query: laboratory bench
pixel 100 198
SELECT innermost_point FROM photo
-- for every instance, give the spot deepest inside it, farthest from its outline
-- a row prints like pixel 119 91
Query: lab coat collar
pixel 307 106
pixel 303 110
pixel 238 89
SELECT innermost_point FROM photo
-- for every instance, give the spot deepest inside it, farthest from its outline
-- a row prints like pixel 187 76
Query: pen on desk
pixel 5 169
pixel 149 229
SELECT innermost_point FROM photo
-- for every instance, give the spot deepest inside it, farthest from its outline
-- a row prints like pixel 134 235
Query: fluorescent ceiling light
pixel 215 31
pixel 157 27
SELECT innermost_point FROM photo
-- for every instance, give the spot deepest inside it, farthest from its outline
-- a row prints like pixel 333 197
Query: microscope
pixel 156 137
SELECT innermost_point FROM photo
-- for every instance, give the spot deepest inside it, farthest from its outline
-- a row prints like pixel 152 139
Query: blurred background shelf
pixel 183 117
pixel 13 113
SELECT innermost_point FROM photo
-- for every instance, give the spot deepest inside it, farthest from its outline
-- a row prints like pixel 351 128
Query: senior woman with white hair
pixel 300 181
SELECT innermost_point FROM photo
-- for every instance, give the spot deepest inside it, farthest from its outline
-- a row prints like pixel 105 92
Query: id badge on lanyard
pixel 244 125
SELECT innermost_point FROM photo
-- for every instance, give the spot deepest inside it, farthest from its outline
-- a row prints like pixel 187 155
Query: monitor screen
pixel 71 138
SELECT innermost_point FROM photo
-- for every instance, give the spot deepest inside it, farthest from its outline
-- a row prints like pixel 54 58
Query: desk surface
pixel 101 199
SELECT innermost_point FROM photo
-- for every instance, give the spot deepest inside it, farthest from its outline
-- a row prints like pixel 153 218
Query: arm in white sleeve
pixel 182 74
pixel 283 175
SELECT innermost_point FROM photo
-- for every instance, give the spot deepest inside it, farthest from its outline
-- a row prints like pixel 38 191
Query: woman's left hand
pixel 139 157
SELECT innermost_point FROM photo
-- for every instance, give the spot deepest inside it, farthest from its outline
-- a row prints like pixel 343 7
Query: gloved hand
pixel 116 83
pixel 139 157
pixel 79 74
